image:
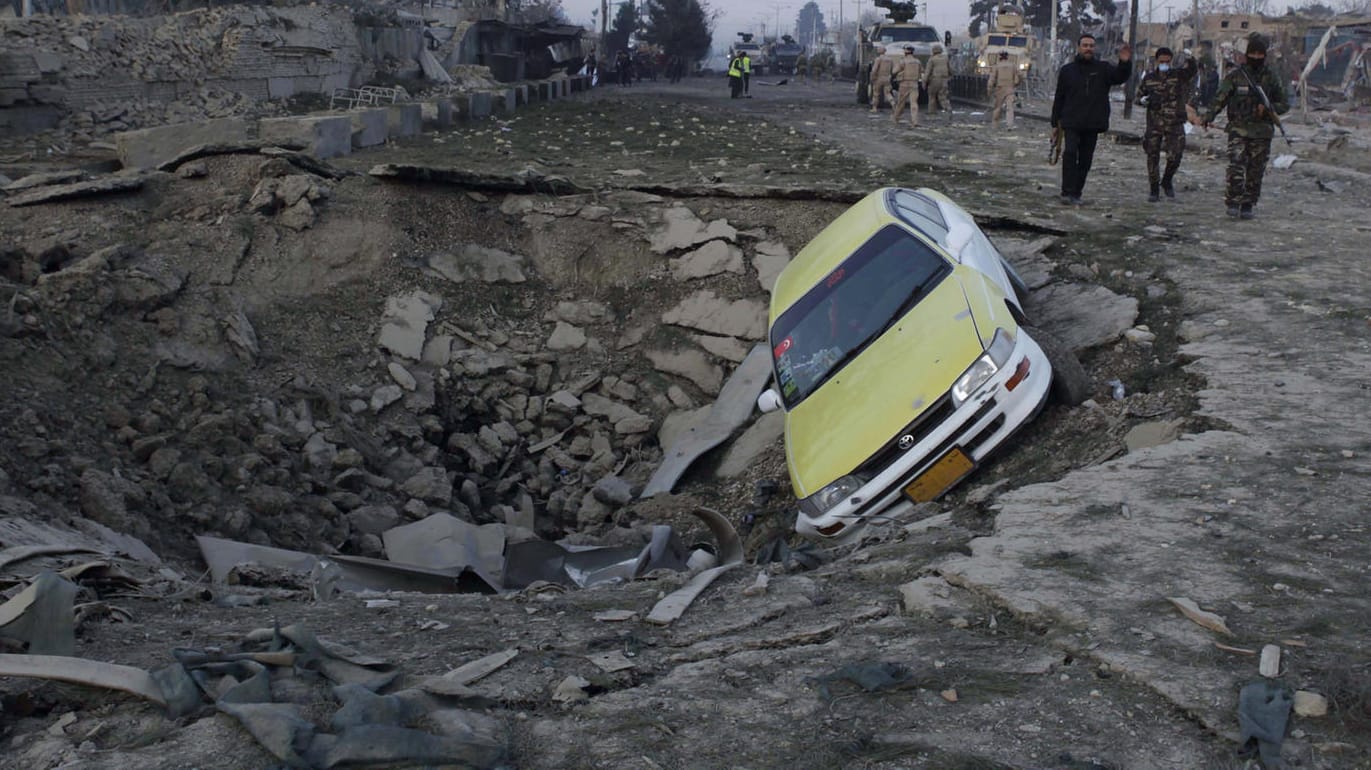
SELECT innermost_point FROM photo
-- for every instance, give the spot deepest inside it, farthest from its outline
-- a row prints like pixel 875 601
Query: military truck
pixel 899 31
pixel 754 52
pixel 1007 34
pixel 781 55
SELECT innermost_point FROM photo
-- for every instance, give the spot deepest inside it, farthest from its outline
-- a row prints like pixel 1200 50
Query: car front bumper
pixel 977 427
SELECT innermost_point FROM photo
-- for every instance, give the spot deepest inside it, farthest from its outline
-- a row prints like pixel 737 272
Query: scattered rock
pixel 1083 316
pixel 402 376
pixel 1310 704
pixel 707 312
pixel 682 230
pixel 690 364
pixel 405 323
pixel 713 258
pixel 566 337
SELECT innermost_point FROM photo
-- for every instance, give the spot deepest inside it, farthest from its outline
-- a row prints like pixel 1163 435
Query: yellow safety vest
pixel 735 67
pixel 747 65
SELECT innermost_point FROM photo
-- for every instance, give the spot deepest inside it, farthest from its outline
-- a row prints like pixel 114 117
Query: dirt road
pixel 1026 625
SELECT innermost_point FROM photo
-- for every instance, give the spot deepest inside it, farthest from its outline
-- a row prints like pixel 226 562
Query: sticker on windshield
pixel 782 348
pixel 835 277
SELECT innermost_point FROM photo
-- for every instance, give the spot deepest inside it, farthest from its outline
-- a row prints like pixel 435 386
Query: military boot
pixel 1246 212
pixel 1233 210
pixel 1169 190
pixel 1153 195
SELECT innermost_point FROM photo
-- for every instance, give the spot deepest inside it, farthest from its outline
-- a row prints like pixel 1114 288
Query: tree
pixel 682 28
pixel 625 24
pixel 809 25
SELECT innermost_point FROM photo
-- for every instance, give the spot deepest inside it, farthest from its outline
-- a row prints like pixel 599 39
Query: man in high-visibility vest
pixel 747 73
pixel 735 76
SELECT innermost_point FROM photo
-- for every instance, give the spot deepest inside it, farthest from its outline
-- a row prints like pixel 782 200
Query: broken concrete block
pixel 770 259
pixel 682 230
pixel 1083 316
pixel 479 263
pixel 727 348
pixel 566 337
pixel 480 106
pixel 764 434
pixel 713 258
pixel 446 115
pixel 505 101
pixel 369 128
pixel 322 137
pixel 405 120
pixel 405 323
pixel 693 365
pixel 150 147
pixel 707 312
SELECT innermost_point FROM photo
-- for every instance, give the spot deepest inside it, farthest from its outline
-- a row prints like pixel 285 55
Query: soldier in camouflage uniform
pixel 1250 127
pixel 1165 90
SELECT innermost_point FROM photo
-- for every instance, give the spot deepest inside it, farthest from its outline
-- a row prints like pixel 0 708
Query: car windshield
pixel 851 307
pixel 909 35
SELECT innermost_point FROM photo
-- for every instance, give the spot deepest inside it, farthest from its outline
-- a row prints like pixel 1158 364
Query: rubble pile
pixel 551 423
pixel 112 73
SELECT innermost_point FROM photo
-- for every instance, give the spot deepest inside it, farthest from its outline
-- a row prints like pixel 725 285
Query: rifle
pixel 1054 150
pixel 1266 102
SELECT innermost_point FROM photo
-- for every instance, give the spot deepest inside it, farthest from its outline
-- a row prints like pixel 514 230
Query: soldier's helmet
pixel 909 49
pixel 1256 43
pixel 937 49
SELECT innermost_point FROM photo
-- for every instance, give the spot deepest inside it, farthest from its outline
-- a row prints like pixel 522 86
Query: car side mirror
pixel 769 401
pixel 958 236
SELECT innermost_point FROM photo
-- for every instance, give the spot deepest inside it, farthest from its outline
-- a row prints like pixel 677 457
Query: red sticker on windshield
pixel 835 277
pixel 782 348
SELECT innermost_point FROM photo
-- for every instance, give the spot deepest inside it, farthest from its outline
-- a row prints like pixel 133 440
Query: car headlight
pixel 984 367
pixel 819 502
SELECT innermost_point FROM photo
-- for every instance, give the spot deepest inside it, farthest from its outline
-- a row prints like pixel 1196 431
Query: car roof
pixel 837 242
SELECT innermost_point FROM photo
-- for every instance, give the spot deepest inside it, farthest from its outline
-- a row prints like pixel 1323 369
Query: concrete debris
pixel 714 426
pixel 1270 664
pixel 769 259
pixel 690 364
pixel 59 192
pixel 1310 704
pixel 1083 316
pixel 566 337
pixel 682 229
pixel 405 324
pixel 479 263
pixel 713 258
pixel 707 312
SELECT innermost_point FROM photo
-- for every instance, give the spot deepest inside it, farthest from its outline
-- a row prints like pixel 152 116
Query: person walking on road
pixel 747 73
pixel 879 87
pixel 735 76
pixel 935 82
pixel 1081 110
pixel 1251 125
pixel 1165 90
pixel 908 73
pixel 1003 80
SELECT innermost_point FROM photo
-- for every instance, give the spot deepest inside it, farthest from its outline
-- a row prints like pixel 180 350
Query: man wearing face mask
pixel 1165 91
pixel 1081 109
pixel 1250 125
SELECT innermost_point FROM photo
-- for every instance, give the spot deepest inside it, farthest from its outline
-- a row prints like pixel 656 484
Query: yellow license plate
pixel 940 476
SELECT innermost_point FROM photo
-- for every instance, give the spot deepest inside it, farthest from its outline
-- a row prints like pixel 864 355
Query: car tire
pixel 1071 384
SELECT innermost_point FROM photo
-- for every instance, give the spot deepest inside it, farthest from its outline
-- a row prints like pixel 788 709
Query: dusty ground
pixel 1050 644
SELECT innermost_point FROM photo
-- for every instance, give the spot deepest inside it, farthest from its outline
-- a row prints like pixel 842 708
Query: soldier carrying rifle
pixel 1255 100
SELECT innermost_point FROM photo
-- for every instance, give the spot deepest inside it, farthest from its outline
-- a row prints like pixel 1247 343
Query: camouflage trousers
pixel 938 97
pixel 1246 164
pixel 1157 141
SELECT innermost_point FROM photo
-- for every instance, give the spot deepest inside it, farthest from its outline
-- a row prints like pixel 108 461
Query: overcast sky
pixel 749 15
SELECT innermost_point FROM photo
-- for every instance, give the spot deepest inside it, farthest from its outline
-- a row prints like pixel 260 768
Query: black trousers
pixel 1078 152
pixel 735 87
pixel 747 82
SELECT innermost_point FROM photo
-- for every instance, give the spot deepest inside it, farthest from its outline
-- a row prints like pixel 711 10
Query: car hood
pixel 901 374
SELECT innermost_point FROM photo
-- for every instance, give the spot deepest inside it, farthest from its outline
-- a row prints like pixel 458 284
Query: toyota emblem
pixel 906 441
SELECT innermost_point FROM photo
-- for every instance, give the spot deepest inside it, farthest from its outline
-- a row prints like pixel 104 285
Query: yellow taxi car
pixel 901 359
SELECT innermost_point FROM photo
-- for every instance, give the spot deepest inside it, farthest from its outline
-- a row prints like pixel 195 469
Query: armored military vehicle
pixel 1007 34
pixel 897 32
pixel 781 55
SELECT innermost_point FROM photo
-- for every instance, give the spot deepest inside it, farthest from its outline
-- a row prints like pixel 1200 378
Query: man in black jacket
pixel 1081 109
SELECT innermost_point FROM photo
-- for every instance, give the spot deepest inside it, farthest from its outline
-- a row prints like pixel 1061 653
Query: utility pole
pixel 1132 86
pixel 26 10
pixel 604 30
pixel 1052 37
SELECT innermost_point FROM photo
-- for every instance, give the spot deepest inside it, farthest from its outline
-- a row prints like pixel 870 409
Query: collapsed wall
pixel 96 74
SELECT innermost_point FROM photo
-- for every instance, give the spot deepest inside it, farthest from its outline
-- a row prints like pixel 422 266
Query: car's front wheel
pixel 1070 383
